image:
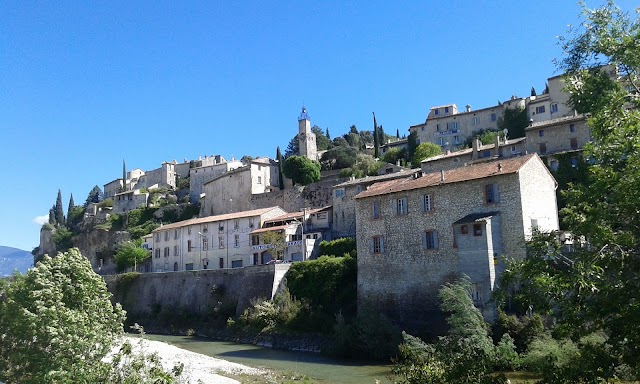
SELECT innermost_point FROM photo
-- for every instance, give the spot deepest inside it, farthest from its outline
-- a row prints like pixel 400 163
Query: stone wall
pixel 194 292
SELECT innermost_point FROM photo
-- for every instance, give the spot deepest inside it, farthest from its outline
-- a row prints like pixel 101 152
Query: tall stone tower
pixel 306 138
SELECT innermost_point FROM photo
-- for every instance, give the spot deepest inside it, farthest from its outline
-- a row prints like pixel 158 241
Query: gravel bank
pixel 196 366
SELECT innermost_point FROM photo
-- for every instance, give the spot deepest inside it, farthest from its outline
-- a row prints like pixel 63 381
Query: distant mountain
pixel 14 259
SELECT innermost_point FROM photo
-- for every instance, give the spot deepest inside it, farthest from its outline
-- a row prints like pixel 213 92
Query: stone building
pixel 477 153
pixel 344 206
pixel 415 234
pixel 130 200
pixel 232 190
pixel 569 133
pixel 211 242
pixel 212 167
pixel 306 137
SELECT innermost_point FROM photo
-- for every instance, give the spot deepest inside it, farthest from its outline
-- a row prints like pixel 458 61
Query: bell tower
pixel 306 138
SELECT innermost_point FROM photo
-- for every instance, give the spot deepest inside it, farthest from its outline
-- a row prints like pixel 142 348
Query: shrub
pixel 546 353
pixel 338 247
pixel 62 238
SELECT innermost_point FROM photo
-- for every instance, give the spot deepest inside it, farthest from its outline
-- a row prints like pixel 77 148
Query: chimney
pixel 448 151
pixel 468 108
pixel 475 146
pixel 497 145
pixel 442 175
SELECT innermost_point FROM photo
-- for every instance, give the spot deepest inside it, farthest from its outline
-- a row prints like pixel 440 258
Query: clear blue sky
pixel 84 85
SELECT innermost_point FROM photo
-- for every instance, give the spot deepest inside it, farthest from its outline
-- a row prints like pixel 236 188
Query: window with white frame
pixel 427 203
pixel 429 239
pixel 491 193
pixel 540 109
pixel 401 206
pixel 453 125
pixel 377 244
pixel 476 292
pixel 166 251
pixel 553 108
pixel 158 236
pixel 166 235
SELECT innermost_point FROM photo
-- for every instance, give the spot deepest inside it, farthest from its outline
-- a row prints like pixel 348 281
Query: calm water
pixel 310 364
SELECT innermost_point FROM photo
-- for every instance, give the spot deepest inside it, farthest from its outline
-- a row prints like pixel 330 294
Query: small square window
pixel 464 229
pixel 477 229
pixel 541 133
pixel 572 128
pixel 339 192
pixel 494 117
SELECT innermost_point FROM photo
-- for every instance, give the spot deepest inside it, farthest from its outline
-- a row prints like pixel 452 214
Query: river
pixel 313 365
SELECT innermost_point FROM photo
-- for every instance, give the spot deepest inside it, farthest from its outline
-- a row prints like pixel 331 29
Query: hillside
pixel 14 259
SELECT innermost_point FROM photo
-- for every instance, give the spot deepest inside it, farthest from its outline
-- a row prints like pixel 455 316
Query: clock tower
pixel 306 138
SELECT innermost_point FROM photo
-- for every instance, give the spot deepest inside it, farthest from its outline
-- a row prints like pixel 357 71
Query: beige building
pixel 477 153
pixel 569 133
pixel 213 167
pixel 415 234
pixel 212 242
pixel 232 191
pixel 130 200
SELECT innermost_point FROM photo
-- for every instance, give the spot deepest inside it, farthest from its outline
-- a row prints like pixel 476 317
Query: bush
pixel 507 358
pixel 62 238
pixel 546 353
pixel 338 247
pixel 283 312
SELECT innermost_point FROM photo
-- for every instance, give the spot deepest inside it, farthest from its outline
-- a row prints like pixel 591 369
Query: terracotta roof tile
pixel 212 219
pixel 456 175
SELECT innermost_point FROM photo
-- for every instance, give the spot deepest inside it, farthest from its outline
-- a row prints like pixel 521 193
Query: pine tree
pixel 327 134
pixel 280 175
pixel 95 196
pixel 376 142
pixel 58 211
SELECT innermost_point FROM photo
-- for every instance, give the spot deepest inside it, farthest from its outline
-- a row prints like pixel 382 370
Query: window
pixel 189 230
pixel 422 129
pixel 377 244
pixel 486 153
pixel 175 250
pixel 236 263
pixel 166 251
pixel 236 224
pixel 157 253
pixel 574 162
pixel 255 240
pixel 543 147
pixel 436 112
pixel 339 192
pixel 205 244
pixel 439 127
pixel 236 239
pixel 204 228
pixel 553 108
pixel 221 229
pixel 476 292
pixel 427 203
pixel 220 242
pixel 456 139
pixel 494 117
pixel 513 149
pixel 572 128
pixel 475 121
pixel 376 209
pixel 574 143
pixel 541 133
pixel 553 165
pixel 259 179
pixel 452 125
pixel 251 222
pixel 441 141
pixel 491 193
pixel 175 234
pixel 166 235
pixel 429 240
pixel 540 109
pixel 188 267
pixel 401 206
pixel 464 229
pixel 189 246
pixel 446 109
pixel 158 236
pixel 477 229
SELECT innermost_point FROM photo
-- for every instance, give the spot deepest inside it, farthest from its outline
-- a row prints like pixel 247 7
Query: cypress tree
pixel 376 142
pixel 280 175
pixel 58 211
pixel 533 91
pixel 71 205
pixel 52 217
pixel 327 133
pixel 397 133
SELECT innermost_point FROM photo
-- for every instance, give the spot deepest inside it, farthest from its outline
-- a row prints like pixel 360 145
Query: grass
pixel 273 377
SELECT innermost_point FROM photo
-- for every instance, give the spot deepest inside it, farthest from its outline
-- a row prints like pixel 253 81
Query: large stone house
pixel 211 242
pixel 415 234
pixel 212 167
pixel 564 134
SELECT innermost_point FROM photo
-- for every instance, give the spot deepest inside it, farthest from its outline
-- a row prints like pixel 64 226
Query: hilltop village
pixel 415 228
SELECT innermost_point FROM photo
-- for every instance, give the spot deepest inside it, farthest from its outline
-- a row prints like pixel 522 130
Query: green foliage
pixel 322 142
pixel 95 196
pixel 293 148
pixel 515 121
pixel 394 154
pixel 339 157
pixel 283 312
pixel 365 165
pixel 328 283
pixel 338 247
pixel 183 183
pixel 507 358
pixel 572 171
pixel 58 211
pixel 105 203
pixel 546 353
pixel 424 151
pixel 412 144
pixel 522 330
pixel 278 242
pixel 63 238
pixel 130 254
pixel 465 355
pixel 301 170
pixel 75 216
pixel 57 323
pixel 280 160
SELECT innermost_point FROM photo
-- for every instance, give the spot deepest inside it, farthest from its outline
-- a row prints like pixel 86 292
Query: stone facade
pixel 212 242
pixel 306 137
pixel 198 176
pixel 129 200
pixel 344 206
pixel 558 135
pixel 411 240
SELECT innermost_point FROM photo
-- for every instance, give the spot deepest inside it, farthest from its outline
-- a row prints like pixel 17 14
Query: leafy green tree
pixel 71 205
pixel 57 323
pixel 339 157
pixel 365 165
pixel 293 148
pixel 277 241
pixel 63 238
pixel 95 196
pixel 130 254
pixel 393 155
pixel 322 141
pixel 301 170
pixel 424 151
pixel 597 288
pixel 246 159
pixel 58 210
pixel 515 121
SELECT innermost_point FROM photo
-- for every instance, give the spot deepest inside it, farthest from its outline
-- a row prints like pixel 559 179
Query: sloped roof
pixel 475 217
pixel 467 151
pixel 552 122
pixel 374 179
pixel 456 175
pixel 269 229
pixel 212 219
pixel 293 215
